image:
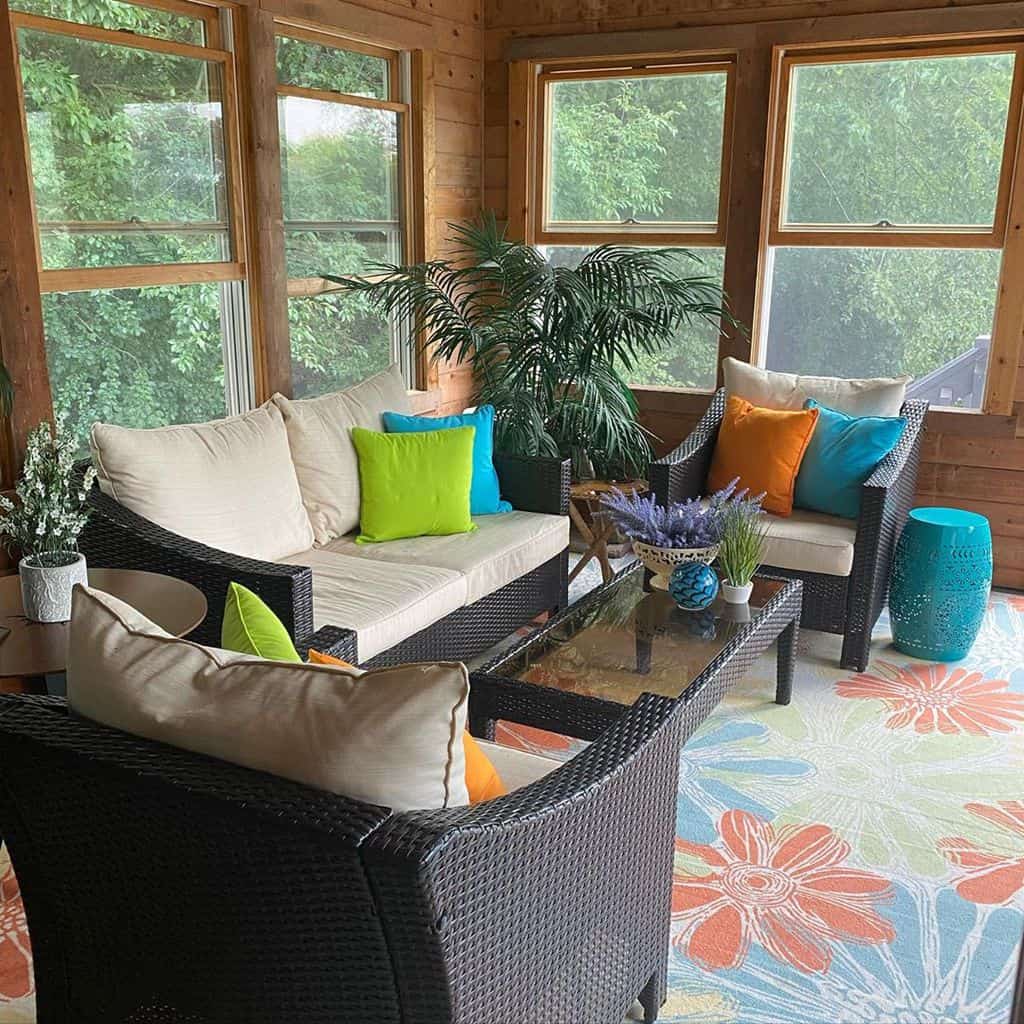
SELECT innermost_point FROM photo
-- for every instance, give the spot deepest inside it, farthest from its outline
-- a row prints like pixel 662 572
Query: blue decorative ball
pixel 693 585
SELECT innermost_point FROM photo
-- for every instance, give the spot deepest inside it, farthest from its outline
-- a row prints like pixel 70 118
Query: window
pixel 639 156
pixel 132 143
pixel 343 144
pixel 888 216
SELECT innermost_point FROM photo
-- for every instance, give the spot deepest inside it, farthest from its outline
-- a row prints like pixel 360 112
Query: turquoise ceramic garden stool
pixel 941 579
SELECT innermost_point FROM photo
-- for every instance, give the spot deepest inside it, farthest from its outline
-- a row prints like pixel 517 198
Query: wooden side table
pixel 585 497
pixel 39 649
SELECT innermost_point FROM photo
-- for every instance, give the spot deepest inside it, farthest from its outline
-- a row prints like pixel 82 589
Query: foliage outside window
pixel 889 218
pixel 131 161
pixel 639 157
pixel 342 141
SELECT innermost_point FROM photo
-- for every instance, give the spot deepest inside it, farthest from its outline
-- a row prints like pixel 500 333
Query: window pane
pixel 883 312
pixel 912 142
pixel 691 360
pixel 336 341
pixel 341 186
pixel 141 357
pixel 144 21
pixel 648 149
pixel 127 153
pixel 315 66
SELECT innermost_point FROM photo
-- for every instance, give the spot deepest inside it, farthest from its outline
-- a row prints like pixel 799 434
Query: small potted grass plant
pixel 741 547
pixel 44 522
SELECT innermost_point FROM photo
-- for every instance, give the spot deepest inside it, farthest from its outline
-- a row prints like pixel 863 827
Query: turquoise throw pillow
pixel 843 453
pixel 485 493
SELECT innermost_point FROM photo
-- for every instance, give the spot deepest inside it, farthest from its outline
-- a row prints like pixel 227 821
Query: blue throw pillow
pixel 485 493
pixel 842 454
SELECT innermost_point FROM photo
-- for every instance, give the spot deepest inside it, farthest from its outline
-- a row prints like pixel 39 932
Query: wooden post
pixel 746 191
pixel 268 276
pixel 21 314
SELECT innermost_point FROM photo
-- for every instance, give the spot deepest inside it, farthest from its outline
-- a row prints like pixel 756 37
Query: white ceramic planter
pixel 46 589
pixel 661 561
pixel 736 595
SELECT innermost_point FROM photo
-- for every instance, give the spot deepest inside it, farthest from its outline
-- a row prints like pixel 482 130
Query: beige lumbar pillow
pixel 319 432
pixel 391 736
pixel 770 389
pixel 228 483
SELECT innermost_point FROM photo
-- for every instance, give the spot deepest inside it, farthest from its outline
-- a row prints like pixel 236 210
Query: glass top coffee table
pixel 623 640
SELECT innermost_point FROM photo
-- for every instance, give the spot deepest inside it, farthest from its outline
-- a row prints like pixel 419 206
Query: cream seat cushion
pixel 810 542
pixel 322 450
pixel 391 737
pixel 517 768
pixel 879 396
pixel 383 602
pixel 503 548
pixel 227 483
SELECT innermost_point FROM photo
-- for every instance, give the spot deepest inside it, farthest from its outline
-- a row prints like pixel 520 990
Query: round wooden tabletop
pixel 39 648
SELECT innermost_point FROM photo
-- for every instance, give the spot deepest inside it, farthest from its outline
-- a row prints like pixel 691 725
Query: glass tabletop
pixel 622 641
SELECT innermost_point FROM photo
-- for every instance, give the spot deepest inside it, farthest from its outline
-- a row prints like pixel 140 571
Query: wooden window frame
pixel 306 287
pixel 951 236
pixel 543 231
pixel 149 275
pixel 1006 234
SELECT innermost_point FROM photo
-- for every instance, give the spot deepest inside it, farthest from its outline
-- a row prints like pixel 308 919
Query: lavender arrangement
pixel 684 524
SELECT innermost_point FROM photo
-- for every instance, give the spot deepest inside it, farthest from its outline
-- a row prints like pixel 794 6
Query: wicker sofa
pixel 164 887
pixel 844 565
pixel 202 503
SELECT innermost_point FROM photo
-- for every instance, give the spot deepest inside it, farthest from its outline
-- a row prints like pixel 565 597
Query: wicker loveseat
pixel 164 887
pixel 271 500
pixel 844 565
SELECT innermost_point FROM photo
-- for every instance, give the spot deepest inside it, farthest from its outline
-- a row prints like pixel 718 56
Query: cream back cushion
pixel 391 736
pixel 877 396
pixel 322 450
pixel 227 483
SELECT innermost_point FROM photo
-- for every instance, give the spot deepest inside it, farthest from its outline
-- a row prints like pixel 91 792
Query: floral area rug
pixel 858 856
pixel 854 858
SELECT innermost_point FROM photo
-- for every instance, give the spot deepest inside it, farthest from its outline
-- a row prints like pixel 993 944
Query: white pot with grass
pixel 43 522
pixel 740 552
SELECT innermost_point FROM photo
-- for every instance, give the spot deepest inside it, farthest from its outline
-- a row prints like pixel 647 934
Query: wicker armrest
pixel 903 458
pixel 534 484
pixel 682 473
pixel 117 538
pixel 494 697
pixel 581 858
pixel 332 640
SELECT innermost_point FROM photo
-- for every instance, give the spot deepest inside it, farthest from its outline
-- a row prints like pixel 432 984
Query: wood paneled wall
pixel 972 461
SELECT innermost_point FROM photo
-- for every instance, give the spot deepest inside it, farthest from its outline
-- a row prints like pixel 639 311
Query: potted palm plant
pixel 549 345
pixel 44 522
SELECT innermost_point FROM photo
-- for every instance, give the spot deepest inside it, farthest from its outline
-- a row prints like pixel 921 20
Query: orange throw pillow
pixel 316 658
pixel 482 778
pixel 764 448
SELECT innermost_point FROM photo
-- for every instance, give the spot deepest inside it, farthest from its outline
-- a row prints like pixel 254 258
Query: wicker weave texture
pixel 162 885
pixel 847 605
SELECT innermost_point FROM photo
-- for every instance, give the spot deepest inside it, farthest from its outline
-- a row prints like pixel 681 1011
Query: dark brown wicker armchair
pixel 847 605
pixel 118 538
pixel 163 887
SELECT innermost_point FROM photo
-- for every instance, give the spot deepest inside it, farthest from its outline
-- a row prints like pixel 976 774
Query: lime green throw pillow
pixel 250 627
pixel 414 485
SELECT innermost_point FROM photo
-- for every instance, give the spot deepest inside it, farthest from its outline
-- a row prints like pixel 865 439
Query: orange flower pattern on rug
pixel 989 878
pixel 786 889
pixel 937 698
pixel 15 951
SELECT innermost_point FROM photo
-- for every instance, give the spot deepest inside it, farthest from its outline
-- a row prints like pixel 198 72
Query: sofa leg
pixel 856 651
pixel 652 996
